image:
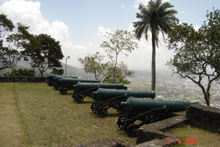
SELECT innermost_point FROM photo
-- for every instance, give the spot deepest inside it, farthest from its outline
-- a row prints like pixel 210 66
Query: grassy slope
pixel 52 119
pixel 205 138
pixel 11 131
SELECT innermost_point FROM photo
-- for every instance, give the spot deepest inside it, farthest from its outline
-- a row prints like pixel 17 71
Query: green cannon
pixel 50 79
pixel 111 98
pixel 68 84
pixel 57 81
pixel 146 111
pixel 82 90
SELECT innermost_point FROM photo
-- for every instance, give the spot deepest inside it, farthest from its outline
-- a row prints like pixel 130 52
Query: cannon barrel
pixel 57 81
pixel 68 84
pixel 53 79
pixel 74 80
pixel 106 98
pixel 141 105
pixel 83 86
pixel 103 94
pixel 82 90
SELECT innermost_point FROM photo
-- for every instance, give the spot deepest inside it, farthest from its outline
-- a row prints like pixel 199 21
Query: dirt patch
pixel 11 133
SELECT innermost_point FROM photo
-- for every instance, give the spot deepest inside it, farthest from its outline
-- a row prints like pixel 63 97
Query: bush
pixel 20 72
pixel 57 71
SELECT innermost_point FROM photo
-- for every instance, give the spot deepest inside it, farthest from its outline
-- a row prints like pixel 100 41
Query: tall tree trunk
pixel 95 74
pixel 207 98
pixel 153 64
pixel 115 66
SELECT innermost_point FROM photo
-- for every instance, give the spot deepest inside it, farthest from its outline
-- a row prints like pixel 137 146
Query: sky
pixel 80 25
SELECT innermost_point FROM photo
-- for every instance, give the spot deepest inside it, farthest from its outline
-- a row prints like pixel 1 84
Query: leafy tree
pixel 14 48
pixel 121 42
pixel 156 17
pixel 93 64
pixel 42 52
pixel 197 53
pixel 6 26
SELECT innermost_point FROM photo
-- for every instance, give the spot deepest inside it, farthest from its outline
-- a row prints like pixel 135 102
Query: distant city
pixel 171 87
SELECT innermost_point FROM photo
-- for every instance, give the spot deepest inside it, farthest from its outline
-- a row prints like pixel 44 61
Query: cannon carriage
pixel 145 111
pixel 111 98
pixel 68 84
pixel 82 90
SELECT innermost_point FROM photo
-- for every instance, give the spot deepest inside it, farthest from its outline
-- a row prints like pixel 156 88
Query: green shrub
pixel 57 71
pixel 20 72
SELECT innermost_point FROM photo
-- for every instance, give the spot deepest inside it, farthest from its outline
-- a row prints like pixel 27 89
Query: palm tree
pixel 156 17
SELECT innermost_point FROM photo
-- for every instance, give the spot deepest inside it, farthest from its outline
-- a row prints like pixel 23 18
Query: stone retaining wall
pixel 155 133
pixel 22 79
pixel 204 117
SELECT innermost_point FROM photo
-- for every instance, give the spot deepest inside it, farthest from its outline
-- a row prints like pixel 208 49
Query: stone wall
pixel 23 79
pixel 155 133
pixel 204 117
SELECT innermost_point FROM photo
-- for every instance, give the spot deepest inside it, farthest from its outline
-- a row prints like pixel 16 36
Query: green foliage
pixel 93 64
pixel 20 72
pixel 156 17
pixel 121 42
pixel 6 26
pixel 121 73
pixel 57 71
pixel 197 52
pixel 42 51
pixel 14 48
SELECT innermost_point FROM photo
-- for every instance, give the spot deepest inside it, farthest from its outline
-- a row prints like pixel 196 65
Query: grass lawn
pixel 205 138
pixel 11 128
pixel 52 119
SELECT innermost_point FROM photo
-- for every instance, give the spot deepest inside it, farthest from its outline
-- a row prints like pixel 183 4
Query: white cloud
pixel 182 12
pixel 145 2
pixel 102 31
pixel 29 14
pixel 196 27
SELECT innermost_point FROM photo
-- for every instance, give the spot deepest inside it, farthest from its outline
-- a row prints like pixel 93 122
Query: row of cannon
pixel 132 105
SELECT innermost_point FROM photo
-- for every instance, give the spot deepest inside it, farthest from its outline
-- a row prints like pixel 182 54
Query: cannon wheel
pixel 63 91
pixel 121 111
pixel 131 130
pixel 78 98
pixel 94 108
pixel 102 112
pixel 121 121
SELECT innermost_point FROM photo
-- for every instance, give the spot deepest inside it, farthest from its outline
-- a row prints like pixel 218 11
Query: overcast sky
pixel 80 25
